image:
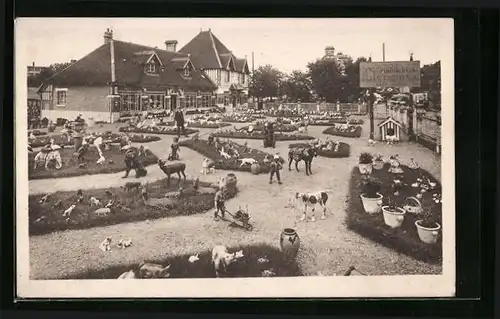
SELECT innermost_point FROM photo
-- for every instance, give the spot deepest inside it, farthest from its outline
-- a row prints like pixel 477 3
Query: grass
pixel 344 150
pixel 202 147
pixel 199 125
pixel 404 239
pixel 82 217
pixel 258 135
pixel 334 131
pixel 156 130
pixel 112 137
pixel 287 128
pixel 203 268
pixel 71 167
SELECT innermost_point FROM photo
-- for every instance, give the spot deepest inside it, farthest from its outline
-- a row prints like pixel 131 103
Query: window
pixel 228 76
pixel 186 72
pixel 150 68
pixel 156 101
pixel 243 78
pixel 205 101
pixel 61 97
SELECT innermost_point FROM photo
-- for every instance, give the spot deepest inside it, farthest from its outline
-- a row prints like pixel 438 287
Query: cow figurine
pixel 311 200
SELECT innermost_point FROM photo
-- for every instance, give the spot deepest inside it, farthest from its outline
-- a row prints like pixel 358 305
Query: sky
pixel 287 44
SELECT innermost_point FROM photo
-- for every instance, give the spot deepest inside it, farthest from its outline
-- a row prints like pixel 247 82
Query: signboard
pixel 389 74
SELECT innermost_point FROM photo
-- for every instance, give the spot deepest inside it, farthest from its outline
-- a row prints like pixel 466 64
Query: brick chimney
pixel 171 45
pixel 108 36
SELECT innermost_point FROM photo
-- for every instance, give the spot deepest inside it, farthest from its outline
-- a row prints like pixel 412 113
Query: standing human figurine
pixel 174 153
pixel 179 121
pixel 219 202
pixel 275 169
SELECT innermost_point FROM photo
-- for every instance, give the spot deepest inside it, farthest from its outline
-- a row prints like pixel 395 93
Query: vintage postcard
pixel 238 158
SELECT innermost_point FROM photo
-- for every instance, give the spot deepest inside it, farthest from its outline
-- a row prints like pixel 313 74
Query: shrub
pixel 352 133
pixel 365 158
pixel 370 187
pixel 202 147
pixel 155 130
pixel 83 217
pixel 403 239
pixel 180 267
pixel 114 163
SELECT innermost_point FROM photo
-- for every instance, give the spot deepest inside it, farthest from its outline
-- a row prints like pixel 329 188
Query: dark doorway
pixel 234 101
pixel 173 102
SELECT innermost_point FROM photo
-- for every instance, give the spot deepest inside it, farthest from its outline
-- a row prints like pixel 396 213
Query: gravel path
pixel 327 246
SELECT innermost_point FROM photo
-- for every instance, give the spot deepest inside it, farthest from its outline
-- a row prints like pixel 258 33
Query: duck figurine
pixel 413 164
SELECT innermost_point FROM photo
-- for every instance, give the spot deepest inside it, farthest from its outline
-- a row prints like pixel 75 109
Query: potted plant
pixel 393 215
pixel 365 163
pixel 428 227
pixel 378 162
pixel 370 196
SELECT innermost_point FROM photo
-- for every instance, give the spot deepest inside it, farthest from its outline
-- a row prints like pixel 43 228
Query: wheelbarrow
pixel 239 219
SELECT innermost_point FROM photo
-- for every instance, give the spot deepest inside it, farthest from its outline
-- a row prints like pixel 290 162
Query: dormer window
pixel 150 68
pixel 186 72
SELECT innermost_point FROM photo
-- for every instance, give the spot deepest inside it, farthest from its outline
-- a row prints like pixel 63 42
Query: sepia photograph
pixel 235 157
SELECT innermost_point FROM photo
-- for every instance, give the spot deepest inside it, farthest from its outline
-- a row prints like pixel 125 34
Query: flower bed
pixel 248 266
pixel 258 135
pixel 353 131
pixel 287 128
pixel 70 167
pixel 344 150
pixel 107 137
pixel 155 130
pixel 198 124
pixel 404 239
pixel 36 132
pixel 202 147
pixel 242 118
pixel 83 215
pixel 324 122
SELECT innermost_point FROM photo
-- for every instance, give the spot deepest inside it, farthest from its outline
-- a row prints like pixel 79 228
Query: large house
pixel 229 73
pixel 119 78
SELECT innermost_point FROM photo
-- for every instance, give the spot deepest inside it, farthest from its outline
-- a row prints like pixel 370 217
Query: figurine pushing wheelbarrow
pixel 238 219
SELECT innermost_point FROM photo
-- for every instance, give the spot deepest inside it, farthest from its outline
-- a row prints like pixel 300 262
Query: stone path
pixel 327 246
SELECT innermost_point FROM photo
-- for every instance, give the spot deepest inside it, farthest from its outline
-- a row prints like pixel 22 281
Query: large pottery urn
pixel 78 140
pixel 231 180
pixel 372 205
pixel 51 127
pixel 393 216
pixel 289 243
pixel 255 168
pixel 426 234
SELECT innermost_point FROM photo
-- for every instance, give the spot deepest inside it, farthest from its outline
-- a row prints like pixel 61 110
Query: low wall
pixel 52 115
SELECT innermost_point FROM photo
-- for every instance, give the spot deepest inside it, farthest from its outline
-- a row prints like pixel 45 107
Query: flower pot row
pixel 394 217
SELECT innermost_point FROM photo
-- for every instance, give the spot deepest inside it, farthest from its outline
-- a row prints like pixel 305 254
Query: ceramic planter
pixel 427 235
pixel 378 164
pixel 365 168
pixel 255 168
pixel 372 205
pixel 231 180
pixel 393 219
pixel 289 243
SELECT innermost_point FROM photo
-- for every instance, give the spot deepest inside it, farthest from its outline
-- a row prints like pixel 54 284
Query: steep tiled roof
pixel 208 52
pixel 32 95
pixel 241 65
pixel 95 69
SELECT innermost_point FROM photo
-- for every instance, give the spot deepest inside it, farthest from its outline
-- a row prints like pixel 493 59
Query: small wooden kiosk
pixel 389 126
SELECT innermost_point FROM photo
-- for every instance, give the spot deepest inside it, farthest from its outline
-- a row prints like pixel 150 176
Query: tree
pixel 37 80
pixel 430 81
pixel 297 86
pixel 329 84
pixel 265 82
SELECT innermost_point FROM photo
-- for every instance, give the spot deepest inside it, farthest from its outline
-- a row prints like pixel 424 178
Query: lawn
pixel 344 150
pixel 258 135
pixel 114 163
pixel 353 131
pixel 166 130
pixel 202 147
pixel 180 267
pixel 83 215
pixel 404 239
pixel 324 122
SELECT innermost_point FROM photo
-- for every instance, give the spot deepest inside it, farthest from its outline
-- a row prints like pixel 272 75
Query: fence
pixel 353 108
pixel 427 129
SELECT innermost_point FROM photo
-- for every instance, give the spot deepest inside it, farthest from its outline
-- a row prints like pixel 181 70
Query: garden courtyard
pixel 327 248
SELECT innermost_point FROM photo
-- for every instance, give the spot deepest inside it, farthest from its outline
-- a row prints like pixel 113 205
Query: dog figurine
pixel 248 161
pixel 124 243
pixel 208 166
pixel 94 202
pixel 68 211
pixel 106 244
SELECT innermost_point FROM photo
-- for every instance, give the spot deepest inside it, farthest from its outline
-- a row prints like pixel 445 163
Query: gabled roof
pixel 95 69
pixel 208 52
pixel 32 94
pixel 241 66
pixel 390 119
pixel 227 61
